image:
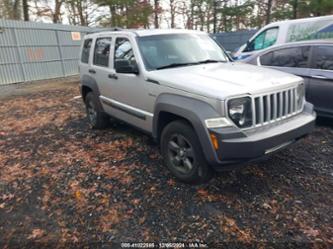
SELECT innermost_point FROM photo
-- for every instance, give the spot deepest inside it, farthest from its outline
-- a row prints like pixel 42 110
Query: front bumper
pixel 241 146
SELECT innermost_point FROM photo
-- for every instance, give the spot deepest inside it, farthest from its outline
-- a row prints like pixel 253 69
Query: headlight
pixel 300 96
pixel 240 111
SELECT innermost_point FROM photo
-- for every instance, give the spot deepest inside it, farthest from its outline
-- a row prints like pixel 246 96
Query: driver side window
pixel 124 52
pixel 265 39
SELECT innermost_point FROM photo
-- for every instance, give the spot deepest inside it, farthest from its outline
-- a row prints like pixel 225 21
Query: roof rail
pixel 97 30
pixel 115 29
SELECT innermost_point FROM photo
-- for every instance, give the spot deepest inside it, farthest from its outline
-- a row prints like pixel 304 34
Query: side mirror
pixel 123 66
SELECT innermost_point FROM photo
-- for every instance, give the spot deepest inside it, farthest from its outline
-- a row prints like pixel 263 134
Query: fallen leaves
pixel 229 226
pixel 205 195
pixel 36 234
pixel 112 217
pixel 310 232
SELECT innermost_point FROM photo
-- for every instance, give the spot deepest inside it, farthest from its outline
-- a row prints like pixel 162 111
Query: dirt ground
pixel 65 185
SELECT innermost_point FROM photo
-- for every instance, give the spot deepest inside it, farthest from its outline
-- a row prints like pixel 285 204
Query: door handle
pixel 92 71
pixel 113 76
pixel 319 77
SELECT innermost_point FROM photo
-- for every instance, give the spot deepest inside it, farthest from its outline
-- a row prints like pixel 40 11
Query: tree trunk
pixel 57 11
pixel 268 11
pixel 295 9
pixel 156 12
pixel 81 15
pixel 113 15
pixel 172 13
pixel 25 10
pixel 214 16
pixel 16 14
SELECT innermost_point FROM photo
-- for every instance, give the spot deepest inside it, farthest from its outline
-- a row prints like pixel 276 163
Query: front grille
pixel 272 107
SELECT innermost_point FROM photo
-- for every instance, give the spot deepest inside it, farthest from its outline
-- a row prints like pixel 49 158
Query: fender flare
pixel 90 82
pixel 194 111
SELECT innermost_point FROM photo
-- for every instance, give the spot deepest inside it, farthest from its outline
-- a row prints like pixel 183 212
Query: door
pixel 294 60
pixel 263 40
pixel 127 93
pixel 321 83
pixel 85 57
pixel 100 64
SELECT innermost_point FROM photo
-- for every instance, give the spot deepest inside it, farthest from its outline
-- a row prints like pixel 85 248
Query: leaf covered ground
pixel 62 183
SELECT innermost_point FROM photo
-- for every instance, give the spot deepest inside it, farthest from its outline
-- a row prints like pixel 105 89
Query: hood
pixel 221 80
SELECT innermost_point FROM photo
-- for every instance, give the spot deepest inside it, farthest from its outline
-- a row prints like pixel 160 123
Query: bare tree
pixel 172 4
pixel 295 8
pixel 56 13
pixel 10 9
pixel 25 7
pixel 156 13
pixel 79 12
pixel 268 11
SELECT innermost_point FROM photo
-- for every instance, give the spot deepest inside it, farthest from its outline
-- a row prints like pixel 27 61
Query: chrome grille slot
pixel 268 108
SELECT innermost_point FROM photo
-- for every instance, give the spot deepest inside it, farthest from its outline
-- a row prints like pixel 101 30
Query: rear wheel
pixel 182 153
pixel 97 118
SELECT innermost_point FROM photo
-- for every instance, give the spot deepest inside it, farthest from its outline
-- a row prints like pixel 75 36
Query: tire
pixel 97 118
pixel 183 155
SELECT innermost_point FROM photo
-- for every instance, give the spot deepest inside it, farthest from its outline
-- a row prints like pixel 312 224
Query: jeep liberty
pixel 179 86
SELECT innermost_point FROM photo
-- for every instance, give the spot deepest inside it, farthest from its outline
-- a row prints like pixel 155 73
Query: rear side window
pixel 323 58
pixel 102 52
pixel 86 50
pixel 265 39
pixel 288 57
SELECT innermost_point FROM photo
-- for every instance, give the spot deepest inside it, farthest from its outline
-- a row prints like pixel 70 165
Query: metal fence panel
pixel 10 73
pixel 233 40
pixel 34 51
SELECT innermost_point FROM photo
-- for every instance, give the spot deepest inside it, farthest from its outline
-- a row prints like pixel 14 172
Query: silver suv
pixel 180 87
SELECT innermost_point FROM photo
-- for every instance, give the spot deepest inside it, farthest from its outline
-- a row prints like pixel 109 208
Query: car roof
pixel 300 20
pixel 144 32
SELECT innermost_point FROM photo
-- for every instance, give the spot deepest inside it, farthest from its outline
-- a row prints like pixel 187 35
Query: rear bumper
pixel 238 147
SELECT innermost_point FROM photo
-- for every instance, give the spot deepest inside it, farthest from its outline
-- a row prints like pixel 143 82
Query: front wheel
pixel 183 154
pixel 97 118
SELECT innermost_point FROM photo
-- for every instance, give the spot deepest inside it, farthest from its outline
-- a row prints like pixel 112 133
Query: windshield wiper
pixel 176 65
pixel 209 61
pixel 189 63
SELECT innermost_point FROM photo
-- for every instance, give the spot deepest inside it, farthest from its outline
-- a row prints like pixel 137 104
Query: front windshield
pixel 163 51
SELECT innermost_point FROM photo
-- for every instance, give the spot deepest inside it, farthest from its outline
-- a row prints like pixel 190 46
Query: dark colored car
pixel 312 60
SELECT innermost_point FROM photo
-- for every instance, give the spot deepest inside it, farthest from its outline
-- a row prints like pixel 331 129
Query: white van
pixel 287 31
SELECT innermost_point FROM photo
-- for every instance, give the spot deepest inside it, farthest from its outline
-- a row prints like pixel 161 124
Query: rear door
pixel 100 64
pixel 321 84
pixel 294 60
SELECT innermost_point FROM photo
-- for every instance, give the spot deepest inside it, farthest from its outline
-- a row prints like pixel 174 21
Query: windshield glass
pixel 171 50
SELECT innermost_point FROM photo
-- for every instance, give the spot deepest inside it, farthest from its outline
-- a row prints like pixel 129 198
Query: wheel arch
pixel 170 107
pixel 89 84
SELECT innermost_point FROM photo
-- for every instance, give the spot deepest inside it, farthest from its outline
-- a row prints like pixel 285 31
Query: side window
pixel 288 57
pixel 270 37
pixel 265 39
pixel 86 50
pixel 323 58
pixel 123 52
pixel 102 52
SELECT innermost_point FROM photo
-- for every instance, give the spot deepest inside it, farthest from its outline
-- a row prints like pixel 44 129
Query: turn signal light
pixel 214 140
